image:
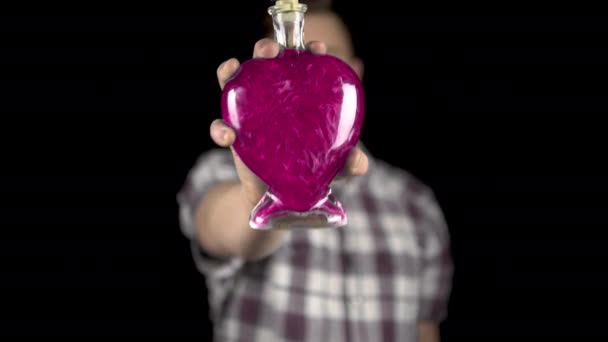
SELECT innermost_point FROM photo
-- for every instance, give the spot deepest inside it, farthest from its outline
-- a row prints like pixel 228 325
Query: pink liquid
pixel 297 116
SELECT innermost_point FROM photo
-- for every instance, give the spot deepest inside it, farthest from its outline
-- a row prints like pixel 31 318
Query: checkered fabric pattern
pixel 371 280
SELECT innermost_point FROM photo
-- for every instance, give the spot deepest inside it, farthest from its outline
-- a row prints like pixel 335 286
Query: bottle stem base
pixel 271 213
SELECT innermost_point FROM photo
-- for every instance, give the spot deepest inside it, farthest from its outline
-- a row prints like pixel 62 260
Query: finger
pixel 226 70
pixel 317 47
pixel 265 48
pixel 221 134
pixel 357 163
pixel 235 155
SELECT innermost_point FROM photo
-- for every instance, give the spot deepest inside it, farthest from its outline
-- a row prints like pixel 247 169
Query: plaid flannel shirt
pixel 371 280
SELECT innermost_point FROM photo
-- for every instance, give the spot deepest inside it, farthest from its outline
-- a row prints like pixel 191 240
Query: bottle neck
pixel 289 29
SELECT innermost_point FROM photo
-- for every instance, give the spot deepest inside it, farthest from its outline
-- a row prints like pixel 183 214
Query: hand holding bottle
pixel 253 188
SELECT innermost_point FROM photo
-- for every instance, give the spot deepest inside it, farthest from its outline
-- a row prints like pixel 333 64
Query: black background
pixel 104 113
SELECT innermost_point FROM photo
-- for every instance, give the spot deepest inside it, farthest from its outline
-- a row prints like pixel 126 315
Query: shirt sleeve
pixel 210 168
pixel 436 261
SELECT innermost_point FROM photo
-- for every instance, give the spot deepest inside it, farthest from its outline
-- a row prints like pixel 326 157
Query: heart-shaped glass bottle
pixel 297 117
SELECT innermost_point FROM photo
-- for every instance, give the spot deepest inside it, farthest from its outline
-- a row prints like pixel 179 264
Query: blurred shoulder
pixel 387 181
pixel 215 156
pixel 212 166
pixel 215 162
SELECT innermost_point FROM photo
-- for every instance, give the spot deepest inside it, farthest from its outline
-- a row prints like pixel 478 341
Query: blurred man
pixel 386 276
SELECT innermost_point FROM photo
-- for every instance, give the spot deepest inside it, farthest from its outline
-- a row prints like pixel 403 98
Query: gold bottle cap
pixel 287 5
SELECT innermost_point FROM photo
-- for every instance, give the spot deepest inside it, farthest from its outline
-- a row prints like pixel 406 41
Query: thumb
pixel 221 134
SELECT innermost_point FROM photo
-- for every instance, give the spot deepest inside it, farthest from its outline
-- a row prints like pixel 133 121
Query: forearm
pixel 428 332
pixel 223 229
